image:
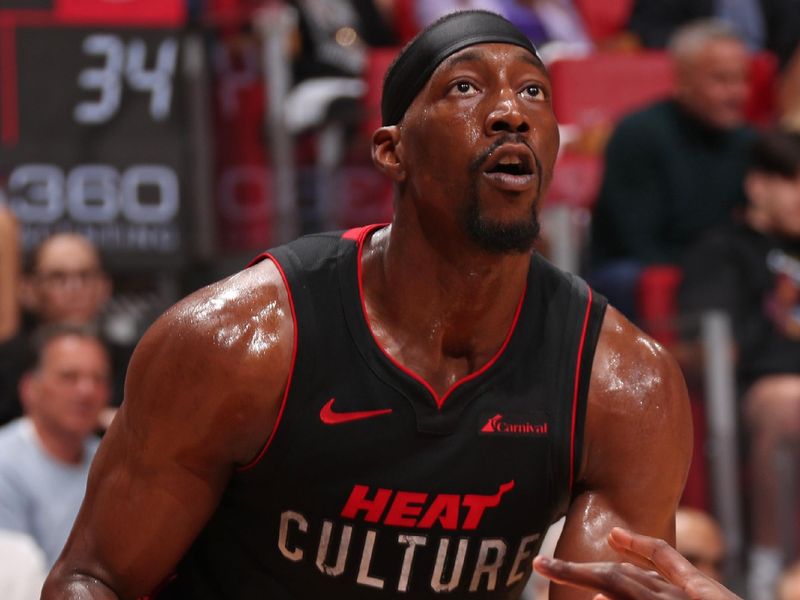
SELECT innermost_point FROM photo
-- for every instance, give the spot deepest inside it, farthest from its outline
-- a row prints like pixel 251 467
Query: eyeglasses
pixel 56 279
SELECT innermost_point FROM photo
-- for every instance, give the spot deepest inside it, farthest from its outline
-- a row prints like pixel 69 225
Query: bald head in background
pixel 711 72
pixel 699 539
pixel 65 281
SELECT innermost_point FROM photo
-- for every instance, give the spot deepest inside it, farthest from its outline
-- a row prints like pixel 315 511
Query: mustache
pixel 509 138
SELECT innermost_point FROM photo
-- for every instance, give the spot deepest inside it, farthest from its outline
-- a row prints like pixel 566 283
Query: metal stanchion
pixel 563 236
pixel 720 395
pixel 204 236
pixel 275 23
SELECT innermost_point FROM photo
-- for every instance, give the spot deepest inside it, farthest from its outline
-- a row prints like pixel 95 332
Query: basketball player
pixel 395 411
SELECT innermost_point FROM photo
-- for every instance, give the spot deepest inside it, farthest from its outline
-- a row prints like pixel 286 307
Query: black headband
pixel 417 62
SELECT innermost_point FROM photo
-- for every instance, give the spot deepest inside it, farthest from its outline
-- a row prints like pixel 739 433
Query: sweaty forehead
pixel 424 54
pixel 490 54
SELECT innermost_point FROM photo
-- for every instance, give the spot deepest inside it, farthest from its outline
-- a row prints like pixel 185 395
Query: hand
pixel 673 577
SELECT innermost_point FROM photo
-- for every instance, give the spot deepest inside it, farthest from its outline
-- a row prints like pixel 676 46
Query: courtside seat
pixel 607 85
pixel 606 19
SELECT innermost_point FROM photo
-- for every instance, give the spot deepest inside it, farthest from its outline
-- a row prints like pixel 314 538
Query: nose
pixel 506 115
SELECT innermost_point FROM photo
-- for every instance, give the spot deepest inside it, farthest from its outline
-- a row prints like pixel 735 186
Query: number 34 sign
pixel 92 127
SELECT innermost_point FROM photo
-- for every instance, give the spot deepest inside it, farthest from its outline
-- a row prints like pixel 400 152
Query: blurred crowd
pixel 682 196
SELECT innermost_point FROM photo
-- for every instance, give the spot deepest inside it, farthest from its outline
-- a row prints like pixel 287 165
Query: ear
pixel 387 152
pixel 28 296
pixel 755 188
pixel 27 390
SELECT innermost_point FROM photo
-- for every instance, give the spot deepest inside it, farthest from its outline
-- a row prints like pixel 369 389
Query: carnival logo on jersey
pixel 514 424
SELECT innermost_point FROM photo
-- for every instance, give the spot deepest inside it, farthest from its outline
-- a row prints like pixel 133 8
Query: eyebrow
pixel 475 55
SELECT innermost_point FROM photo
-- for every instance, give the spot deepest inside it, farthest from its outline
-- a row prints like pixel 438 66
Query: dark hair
pixel 43 336
pixel 777 152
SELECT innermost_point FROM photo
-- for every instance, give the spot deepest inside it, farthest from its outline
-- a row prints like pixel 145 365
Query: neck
pixel 432 300
pixel 64 447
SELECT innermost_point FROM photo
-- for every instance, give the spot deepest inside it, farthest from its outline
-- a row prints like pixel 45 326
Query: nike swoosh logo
pixel 330 417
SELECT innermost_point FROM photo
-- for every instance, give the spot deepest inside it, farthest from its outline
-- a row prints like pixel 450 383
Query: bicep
pixel 147 497
pixel 636 455
pixel 194 409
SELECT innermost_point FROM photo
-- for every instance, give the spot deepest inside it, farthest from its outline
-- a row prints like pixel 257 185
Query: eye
pixel 464 87
pixel 533 91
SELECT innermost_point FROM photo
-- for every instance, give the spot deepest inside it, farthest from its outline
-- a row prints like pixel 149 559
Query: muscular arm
pixel 636 451
pixel 202 393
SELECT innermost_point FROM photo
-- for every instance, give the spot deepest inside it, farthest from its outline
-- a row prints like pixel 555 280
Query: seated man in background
pixel 751 270
pixel 63 282
pixel 673 169
pixel 45 455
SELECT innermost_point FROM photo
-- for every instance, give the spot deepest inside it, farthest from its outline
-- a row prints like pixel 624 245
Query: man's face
pixel 68 284
pixel 713 83
pixel 70 388
pixel 479 143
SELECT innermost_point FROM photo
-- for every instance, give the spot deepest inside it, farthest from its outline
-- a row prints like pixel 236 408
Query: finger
pixel 617 581
pixel 659 553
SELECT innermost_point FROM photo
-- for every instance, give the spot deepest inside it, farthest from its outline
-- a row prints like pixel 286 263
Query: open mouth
pixel 511 168
pixel 511 165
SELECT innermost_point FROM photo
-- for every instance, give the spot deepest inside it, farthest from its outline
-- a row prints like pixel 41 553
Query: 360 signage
pixel 92 131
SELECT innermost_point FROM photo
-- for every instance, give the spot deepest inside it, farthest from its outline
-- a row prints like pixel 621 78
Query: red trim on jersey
pixel 576 390
pixel 355 233
pixel 362 234
pixel 255 461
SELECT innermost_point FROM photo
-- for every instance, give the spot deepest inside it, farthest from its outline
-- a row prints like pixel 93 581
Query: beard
pixel 500 237
pixel 496 237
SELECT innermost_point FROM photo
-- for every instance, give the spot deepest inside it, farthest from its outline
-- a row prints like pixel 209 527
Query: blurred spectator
pixel 9 274
pixel 751 269
pixel 789 94
pixel 335 35
pixel 45 455
pixel 555 26
pixel 789 585
pixel 673 169
pixel 22 567
pixel 763 24
pixel 64 282
pixel 654 21
pixel 699 539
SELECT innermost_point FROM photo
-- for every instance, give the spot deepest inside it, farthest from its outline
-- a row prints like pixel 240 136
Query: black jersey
pixel 374 486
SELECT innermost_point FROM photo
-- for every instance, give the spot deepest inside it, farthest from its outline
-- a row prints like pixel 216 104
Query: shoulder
pixel 651 116
pixel 236 318
pixel 634 379
pixel 650 128
pixel 637 406
pixel 218 359
pixel 12 438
